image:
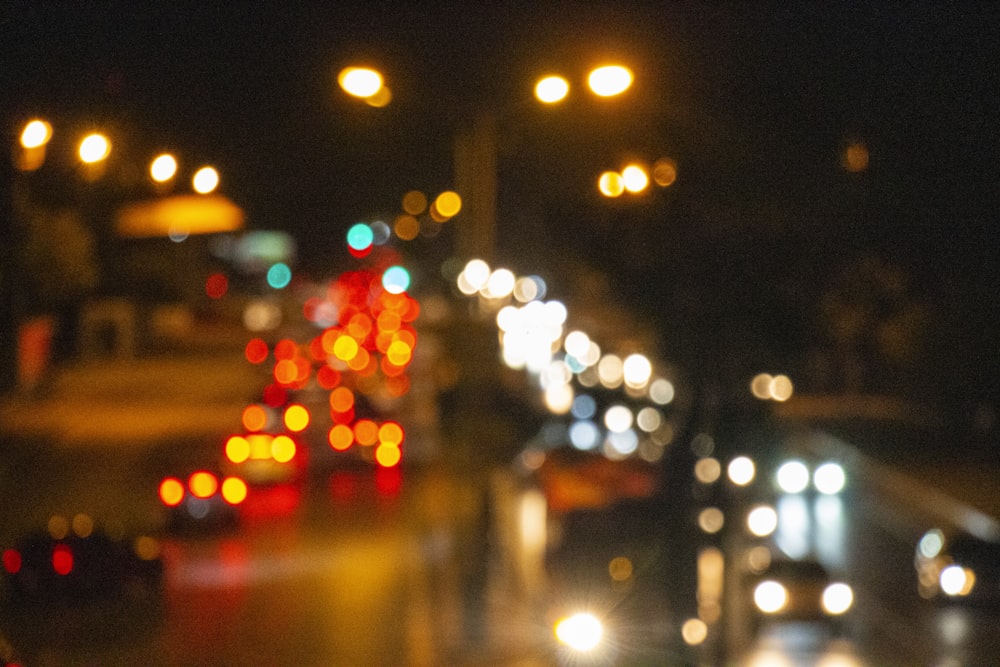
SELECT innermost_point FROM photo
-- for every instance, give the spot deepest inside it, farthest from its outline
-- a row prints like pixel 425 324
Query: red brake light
pixel 12 561
pixel 62 559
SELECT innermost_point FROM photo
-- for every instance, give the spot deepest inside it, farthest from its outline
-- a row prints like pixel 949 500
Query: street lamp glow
pixel 611 184
pixel 610 80
pixel 163 168
pixel 635 178
pixel 36 134
pixel 551 89
pixel 362 82
pixel 94 148
pixel 205 180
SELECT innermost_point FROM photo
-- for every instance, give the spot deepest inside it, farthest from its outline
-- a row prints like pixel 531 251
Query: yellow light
pixel 399 353
pixel 770 597
pixel 360 81
pixel 341 437
pixel 203 484
pixel 94 148
pixel 551 89
pixel 36 134
pixel 581 632
pixel 171 491
pixel 611 184
pixel 390 433
pixel 205 180
pixel 635 178
pixel 234 490
pixel 448 204
pixel 346 348
pixel 610 80
pixel 694 631
pixel 296 418
pixel 388 455
pixel 163 167
pixel 283 449
pixel 620 568
pixel 237 449
pixel 381 98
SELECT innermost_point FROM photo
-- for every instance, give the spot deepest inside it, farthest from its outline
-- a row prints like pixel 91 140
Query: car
pixel 73 560
pixel 958 567
pixel 204 500
pixel 798 590
pixel 263 458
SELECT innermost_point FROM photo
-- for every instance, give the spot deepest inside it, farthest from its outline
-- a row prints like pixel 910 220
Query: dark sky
pixel 756 102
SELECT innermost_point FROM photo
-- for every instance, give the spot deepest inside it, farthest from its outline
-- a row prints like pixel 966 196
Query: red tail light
pixel 62 559
pixel 12 561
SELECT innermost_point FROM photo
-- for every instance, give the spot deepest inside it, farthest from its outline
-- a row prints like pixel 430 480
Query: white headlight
pixel 581 632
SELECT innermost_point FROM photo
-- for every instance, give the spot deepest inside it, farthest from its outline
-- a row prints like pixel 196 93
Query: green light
pixel 279 275
pixel 396 280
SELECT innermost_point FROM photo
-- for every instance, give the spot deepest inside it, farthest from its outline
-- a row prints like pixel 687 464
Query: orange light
pixel 327 377
pixel 399 353
pixel 237 449
pixel 254 417
pixel 388 455
pixel 341 399
pixel 359 362
pixel 285 349
pixel 360 326
pixel 203 484
pixel 366 432
pixel 171 491
pixel 390 433
pixel 234 490
pixel 283 449
pixel 296 418
pixel 329 339
pixel 397 386
pixel 286 372
pixel 341 437
pixel 389 320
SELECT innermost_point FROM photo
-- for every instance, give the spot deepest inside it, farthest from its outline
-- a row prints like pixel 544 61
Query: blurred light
pixel 475 275
pixel 635 178
pixel 694 631
pixel 649 419
pixel 237 450
pixel 12 561
pixel 957 580
pixel 94 148
pixel 770 596
pixel 609 80
pixel 661 391
pixel 609 370
pixel 62 559
pixel 762 520
pixel 58 526
pixel 366 432
pixel 163 168
pixel 414 202
pixel 781 388
pixel 758 559
pixel 855 158
pixel 741 470
pixel 296 418
pixel 146 547
pixel 36 134
pixel 216 285
pixel 793 477
pixel 618 418
pixel 559 399
pixel 260 315
pixel 380 232
pixel 448 204
pixel 279 276
pixel 581 632
pixel 381 98
pixel 205 180
pixel 584 435
pixel 254 417
pixel 611 184
pixel 388 455
pixel 396 280
pixel 234 490
pixel 829 478
pixel 390 433
pixel 551 89
pixel 931 543
pixel 529 288
pixel 664 172
pixel 760 386
pixel 584 407
pixel 406 227
pixel 707 470
pixel 837 598
pixel 360 237
pixel 203 484
pixel 711 520
pixel 282 449
pixel 256 351
pixel 620 568
pixel 636 371
pixel 360 81
pixel 171 491
pixel 340 437
pixel 83 525
pixel 500 284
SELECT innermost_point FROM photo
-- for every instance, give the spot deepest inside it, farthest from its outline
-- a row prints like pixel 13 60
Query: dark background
pixel 760 257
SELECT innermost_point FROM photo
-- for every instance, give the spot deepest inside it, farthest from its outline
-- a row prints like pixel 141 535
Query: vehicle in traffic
pixel 74 560
pixel 958 567
pixel 263 458
pixel 204 500
pixel 798 590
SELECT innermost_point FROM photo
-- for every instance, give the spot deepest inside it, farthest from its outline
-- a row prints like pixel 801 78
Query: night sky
pixel 755 102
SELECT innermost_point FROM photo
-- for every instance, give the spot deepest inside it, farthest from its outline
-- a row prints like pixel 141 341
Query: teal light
pixel 396 280
pixel 360 237
pixel 279 275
